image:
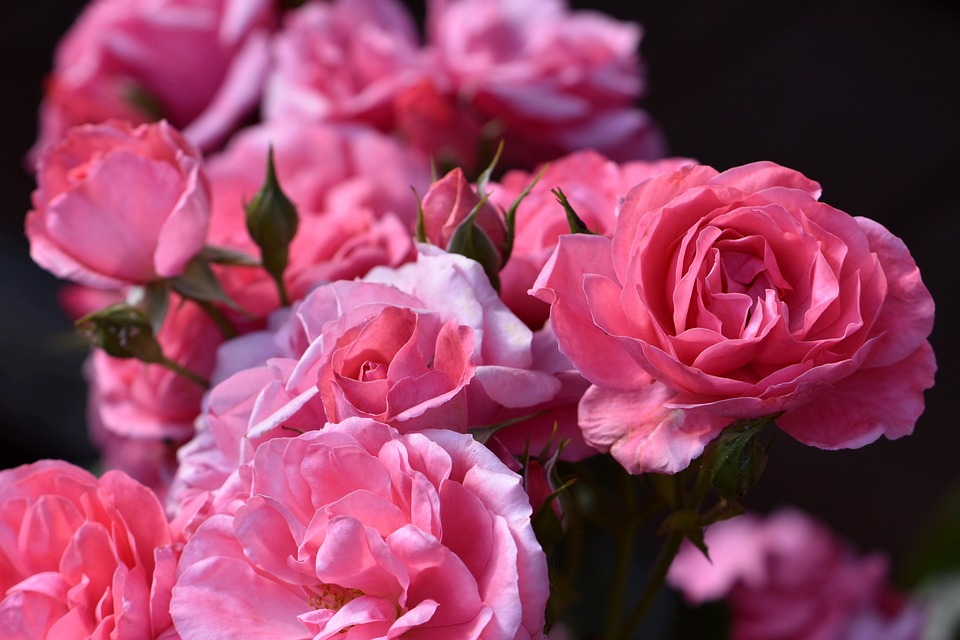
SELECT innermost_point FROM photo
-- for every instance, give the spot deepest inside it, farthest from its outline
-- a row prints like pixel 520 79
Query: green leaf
pixel 222 255
pixel 198 282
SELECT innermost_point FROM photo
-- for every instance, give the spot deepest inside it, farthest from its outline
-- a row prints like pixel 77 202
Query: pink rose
pixel 357 531
pixel 789 578
pixel 90 221
pixel 343 60
pixel 738 295
pixel 548 79
pixel 448 203
pixel 594 187
pixel 82 557
pixel 426 345
pixel 198 63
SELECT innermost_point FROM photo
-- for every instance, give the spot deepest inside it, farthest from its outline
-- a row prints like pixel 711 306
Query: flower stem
pixel 217 316
pixel 186 373
pixel 657 576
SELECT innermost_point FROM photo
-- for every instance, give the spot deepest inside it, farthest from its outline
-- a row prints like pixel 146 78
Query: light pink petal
pixel 597 355
pixel 882 401
pixel 641 433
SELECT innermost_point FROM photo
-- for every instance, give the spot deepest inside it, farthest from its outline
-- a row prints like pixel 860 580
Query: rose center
pixel 330 596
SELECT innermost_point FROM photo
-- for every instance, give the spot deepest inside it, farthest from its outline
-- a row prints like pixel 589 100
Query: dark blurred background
pixel 861 96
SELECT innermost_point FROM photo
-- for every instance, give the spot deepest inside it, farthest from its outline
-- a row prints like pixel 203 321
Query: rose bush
pixel 357 531
pixel 735 295
pixel 136 60
pixel 90 222
pixel 787 577
pixel 82 557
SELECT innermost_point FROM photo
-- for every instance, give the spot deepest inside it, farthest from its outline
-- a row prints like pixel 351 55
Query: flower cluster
pixel 364 409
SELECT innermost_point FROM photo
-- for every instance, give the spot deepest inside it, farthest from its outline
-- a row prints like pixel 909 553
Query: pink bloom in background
pixel 427 345
pixel 593 184
pixel 788 577
pixel 357 531
pixel 82 557
pixel 198 63
pixel 90 222
pixel 549 80
pixel 352 189
pixel 343 60
pixel 738 295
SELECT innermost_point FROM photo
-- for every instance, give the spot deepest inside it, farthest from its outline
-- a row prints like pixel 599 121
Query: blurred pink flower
pixel 788 577
pixel 738 295
pixel 82 557
pixel 198 63
pixel 357 531
pixel 90 221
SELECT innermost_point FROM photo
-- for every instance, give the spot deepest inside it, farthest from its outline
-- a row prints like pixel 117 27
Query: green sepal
pixel 122 331
pixel 198 282
pixel 573 220
pixel 230 257
pixel 739 458
pixel 483 433
pixel 510 216
pixel 471 241
pixel 421 223
pixel 156 302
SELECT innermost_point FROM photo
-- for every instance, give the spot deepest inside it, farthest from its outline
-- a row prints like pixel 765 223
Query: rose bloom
pixel 546 79
pixel 91 222
pixel 735 295
pixel 788 577
pixel 198 63
pixel 423 345
pixel 593 184
pixel 357 531
pixel 343 61
pixel 82 557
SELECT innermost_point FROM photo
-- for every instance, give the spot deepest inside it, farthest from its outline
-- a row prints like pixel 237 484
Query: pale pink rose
pixel 343 60
pixel 91 221
pixel 547 79
pixel 738 295
pixel 423 346
pixel 357 531
pixel 198 63
pixel 82 557
pixel 788 577
pixel 594 186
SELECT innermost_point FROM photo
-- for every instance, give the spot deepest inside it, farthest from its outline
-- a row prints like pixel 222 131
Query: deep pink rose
pixel 82 557
pixel 594 186
pixel 198 63
pixel 427 345
pixel 357 531
pixel 738 295
pixel 547 79
pixel 343 60
pixel 789 578
pixel 92 221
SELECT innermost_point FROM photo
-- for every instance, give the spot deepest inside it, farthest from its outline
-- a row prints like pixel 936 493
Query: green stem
pixel 217 316
pixel 282 288
pixel 186 373
pixel 657 576
pixel 626 534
